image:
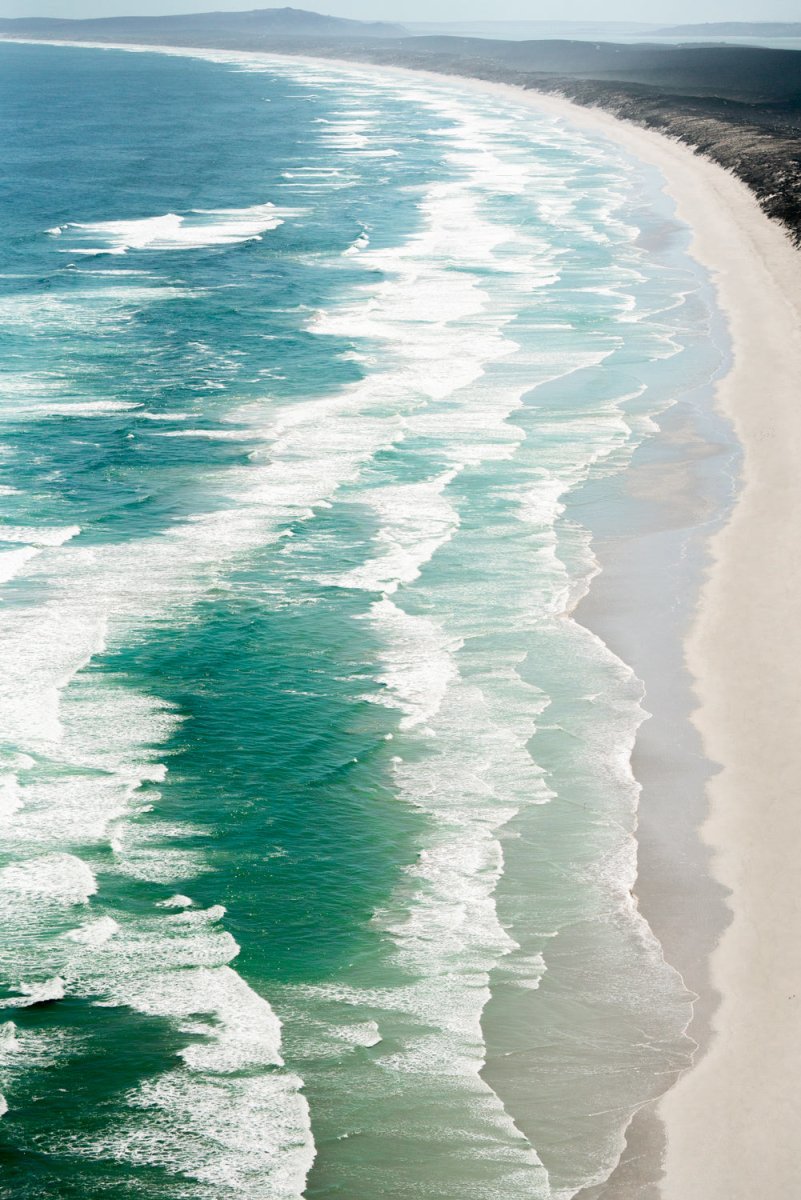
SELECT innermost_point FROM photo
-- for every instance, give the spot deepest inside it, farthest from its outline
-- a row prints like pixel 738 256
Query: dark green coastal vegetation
pixel 738 105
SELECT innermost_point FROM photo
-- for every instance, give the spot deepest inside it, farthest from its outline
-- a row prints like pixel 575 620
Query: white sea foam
pixel 358 244
pixel 38 993
pixel 212 435
pixel 477 770
pixel 418 662
pixel 82 312
pixel 94 933
pixel 415 520
pixel 12 561
pixel 445 912
pixel 434 335
pixel 311 450
pixel 237 1135
pixel 361 1033
pixel 70 408
pixel 230 1115
pixel 56 878
pixel 172 231
pixel 10 800
pixel 176 901
pixel 9 1043
pixel 42 536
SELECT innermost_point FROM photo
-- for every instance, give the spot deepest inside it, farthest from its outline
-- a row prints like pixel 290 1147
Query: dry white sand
pixel 734 1119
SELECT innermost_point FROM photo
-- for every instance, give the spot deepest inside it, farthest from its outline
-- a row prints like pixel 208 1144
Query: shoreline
pixel 730 1119
pixel 729 1122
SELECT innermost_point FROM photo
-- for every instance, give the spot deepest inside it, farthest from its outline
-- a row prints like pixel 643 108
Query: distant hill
pixel 713 29
pixel 255 28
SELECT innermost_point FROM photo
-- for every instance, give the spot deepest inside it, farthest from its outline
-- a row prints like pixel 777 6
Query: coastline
pixel 726 1130
pixel 731 1118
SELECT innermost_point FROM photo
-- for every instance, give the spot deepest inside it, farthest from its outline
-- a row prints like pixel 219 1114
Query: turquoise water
pixel 314 794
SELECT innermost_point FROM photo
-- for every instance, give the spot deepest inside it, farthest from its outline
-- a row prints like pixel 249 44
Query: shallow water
pixel 312 784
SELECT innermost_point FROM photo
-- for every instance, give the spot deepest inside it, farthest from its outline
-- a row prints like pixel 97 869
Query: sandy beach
pixel 732 1121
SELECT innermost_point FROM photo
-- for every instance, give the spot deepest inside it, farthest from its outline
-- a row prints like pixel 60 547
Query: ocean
pixel 316 806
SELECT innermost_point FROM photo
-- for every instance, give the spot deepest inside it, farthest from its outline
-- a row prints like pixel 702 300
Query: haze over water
pixel 307 374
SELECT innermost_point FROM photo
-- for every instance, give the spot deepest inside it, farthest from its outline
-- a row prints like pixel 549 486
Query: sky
pixel 658 11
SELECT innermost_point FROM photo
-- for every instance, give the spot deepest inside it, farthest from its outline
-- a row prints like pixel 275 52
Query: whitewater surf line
pixel 379 456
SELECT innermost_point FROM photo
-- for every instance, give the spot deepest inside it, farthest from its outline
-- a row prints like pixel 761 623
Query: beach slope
pixel 732 1121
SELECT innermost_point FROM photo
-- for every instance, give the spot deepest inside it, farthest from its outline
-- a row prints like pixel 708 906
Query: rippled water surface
pixel 305 372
